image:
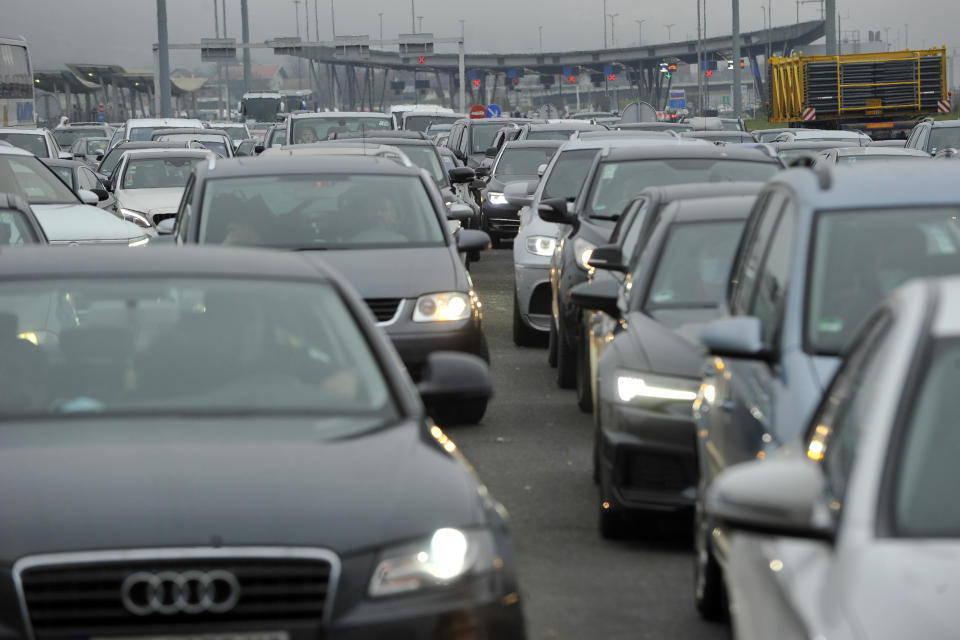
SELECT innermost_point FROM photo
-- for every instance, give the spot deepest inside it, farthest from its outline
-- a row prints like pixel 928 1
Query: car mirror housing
pixel 491 152
pixel 258 149
pixel 607 257
pixel 457 211
pixel 783 497
pixel 472 240
pixel 88 197
pixel 482 172
pixel 462 175
pixel 598 295
pixel 518 193
pixel 451 377
pixel 165 227
pixel 736 337
pixel 557 210
pixel 102 193
pixel 65 155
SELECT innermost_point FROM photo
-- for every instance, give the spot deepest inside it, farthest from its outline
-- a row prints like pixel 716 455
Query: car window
pixel 310 211
pixel 860 255
pixel 307 130
pixel 32 142
pixel 771 287
pixel 65 174
pixel 114 346
pixel 158 173
pixel 569 173
pixel 522 163
pixel 943 138
pixel 185 212
pixel 15 229
pixel 762 225
pixel 86 179
pixel 33 181
pixel 483 135
pixel 425 157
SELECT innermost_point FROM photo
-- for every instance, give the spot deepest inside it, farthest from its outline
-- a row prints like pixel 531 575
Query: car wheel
pixel 566 361
pixel 583 382
pixel 523 336
pixel 709 595
pixel 552 345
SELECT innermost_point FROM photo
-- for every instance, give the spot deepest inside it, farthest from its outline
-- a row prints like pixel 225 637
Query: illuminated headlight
pixel 448 555
pixel 541 245
pixel 442 307
pixel 140 242
pixel 649 389
pixel 135 217
pixel 496 197
pixel 583 250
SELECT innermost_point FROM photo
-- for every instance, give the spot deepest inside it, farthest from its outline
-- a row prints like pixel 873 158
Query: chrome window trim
pixel 176 553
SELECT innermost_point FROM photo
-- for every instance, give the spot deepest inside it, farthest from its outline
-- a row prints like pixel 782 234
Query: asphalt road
pixel 533 451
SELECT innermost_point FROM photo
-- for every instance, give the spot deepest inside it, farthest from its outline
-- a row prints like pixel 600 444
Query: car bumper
pixel 648 460
pixel 415 342
pixel 532 284
pixel 501 221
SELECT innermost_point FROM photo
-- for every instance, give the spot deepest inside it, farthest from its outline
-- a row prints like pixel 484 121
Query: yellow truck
pixel 872 91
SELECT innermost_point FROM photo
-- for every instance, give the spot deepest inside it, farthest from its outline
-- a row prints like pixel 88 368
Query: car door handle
pixel 728 404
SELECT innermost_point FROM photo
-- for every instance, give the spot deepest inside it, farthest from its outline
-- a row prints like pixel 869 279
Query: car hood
pixel 150 200
pixel 395 273
pixel 113 484
pixel 668 351
pixel 83 223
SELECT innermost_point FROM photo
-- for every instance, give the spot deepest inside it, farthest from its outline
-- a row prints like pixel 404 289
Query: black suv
pixel 470 139
pixel 933 135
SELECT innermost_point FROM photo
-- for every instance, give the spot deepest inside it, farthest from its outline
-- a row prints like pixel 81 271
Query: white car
pixel 142 128
pixel 39 142
pixel 825 135
pixel 150 182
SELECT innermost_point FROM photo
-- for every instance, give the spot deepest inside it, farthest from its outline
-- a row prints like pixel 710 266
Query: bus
pixel 17 105
pixel 261 106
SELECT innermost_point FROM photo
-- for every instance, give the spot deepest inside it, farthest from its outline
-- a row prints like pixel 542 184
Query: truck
pixel 261 106
pixel 883 93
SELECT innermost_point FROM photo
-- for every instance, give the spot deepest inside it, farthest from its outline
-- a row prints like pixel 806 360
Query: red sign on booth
pixel 477 112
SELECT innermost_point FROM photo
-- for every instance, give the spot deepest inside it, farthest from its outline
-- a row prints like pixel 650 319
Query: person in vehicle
pixel 307 136
pixel 376 219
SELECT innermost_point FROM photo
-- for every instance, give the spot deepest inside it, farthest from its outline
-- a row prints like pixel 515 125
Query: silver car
pixel 39 142
pixel 856 533
pixel 150 182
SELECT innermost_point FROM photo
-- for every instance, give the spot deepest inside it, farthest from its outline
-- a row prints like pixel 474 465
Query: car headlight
pixel 582 251
pixel 643 388
pixel 135 217
pixel 496 197
pixel 541 245
pixel 448 555
pixel 442 307
pixel 139 242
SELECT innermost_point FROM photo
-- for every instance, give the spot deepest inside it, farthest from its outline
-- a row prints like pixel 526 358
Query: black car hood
pixel 396 273
pixel 668 351
pixel 87 484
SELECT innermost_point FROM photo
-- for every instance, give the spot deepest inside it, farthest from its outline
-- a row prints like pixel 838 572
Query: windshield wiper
pixel 605 217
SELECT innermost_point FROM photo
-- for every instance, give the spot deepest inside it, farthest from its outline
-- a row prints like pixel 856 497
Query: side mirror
pixel 472 240
pixel 597 295
pixel 482 172
pixel 102 193
pixel 542 169
pixel 462 175
pixel 258 149
pixel 458 211
pixel 519 194
pixel 165 227
pixel 491 152
pixel 65 155
pixel 452 378
pixel 736 337
pixel 478 185
pixel 88 197
pixel 607 257
pixel 557 210
pixel 780 497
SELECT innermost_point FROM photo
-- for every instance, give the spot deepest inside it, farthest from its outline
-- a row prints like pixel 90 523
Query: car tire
pixel 523 336
pixel 709 594
pixel 552 345
pixel 583 382
pixel 566 361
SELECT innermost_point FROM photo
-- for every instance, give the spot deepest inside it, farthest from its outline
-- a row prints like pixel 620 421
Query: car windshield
pixel 319 211
pixel 425 157
pixel 15 230
pixel 33 181
pixel 568 173
pixel 556 134
pixel 944 138
pixel 307 130
pixel 523 162
pixel 617 183
pixel 145 133
pixel 158 173
pixel 65 174
pixel 927 464
pixel 32 142
pixel 236 133
pixel 77 347
pixel 692 271
pixel 96 146
pixel 218 147
pixel 483 135
pixel 859 256
pixel 421 122
pixel 217 144
pixel 66 137
pixel 877 159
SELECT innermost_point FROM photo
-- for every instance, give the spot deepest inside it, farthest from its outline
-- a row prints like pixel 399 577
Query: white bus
pixel 17 105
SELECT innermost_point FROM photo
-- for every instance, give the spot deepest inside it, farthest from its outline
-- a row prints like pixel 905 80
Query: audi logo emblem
pixel 169 593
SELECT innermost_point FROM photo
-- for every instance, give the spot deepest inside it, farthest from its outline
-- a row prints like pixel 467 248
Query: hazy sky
pixel 122 31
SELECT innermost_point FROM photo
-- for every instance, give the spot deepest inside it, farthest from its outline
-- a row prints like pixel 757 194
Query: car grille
pixel 83 599
pixel 658 471
pixel 384 309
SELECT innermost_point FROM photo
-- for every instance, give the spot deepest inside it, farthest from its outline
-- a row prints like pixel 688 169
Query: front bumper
pixel 532 286
pixel 647 459
pixel 501 221
pixel 415 341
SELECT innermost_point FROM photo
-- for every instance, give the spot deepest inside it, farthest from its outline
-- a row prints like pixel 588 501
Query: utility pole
pixel 830 17
pixel 245 33
pixel 413 18
pixel 381 27
pixel 769 30
pixel 699 64
pixel 306 18
pixel 163 63
pixel 906 36
pixel 737 92
pixel 333 24
pixel 613 29
pixel 296 10
pixel 216 20
pixel 419 24
pixel 604 24
pixel 223 14
pixel 316 25
pixel 639 31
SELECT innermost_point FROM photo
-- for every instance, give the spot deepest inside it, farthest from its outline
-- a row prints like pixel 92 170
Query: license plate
pixel 252 635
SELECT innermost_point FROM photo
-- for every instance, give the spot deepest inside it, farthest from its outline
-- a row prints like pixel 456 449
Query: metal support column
pixel 245 31
pixel 162 77
pixel 737 91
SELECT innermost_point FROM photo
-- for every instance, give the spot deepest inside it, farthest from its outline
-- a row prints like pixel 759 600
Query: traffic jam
pixel 349 337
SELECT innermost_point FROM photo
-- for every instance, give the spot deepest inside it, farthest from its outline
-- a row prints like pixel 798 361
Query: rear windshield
pixel 859 256
pixel 145 133
pixel 307 130
pixel 550 135
pixel 522 163
pixel 421 123
pixel 617 183
pixel 158 173
pixel 32 142
pixel 483 135
pixel 66 137
pixel 236 133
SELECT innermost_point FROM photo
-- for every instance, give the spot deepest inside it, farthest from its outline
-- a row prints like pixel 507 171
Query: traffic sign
pixel 478 112
pixel 493 111
pixel 101 117
pixel 101 108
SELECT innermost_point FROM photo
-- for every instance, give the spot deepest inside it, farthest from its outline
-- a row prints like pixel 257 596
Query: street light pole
pixel 162 82
pixel 540 29
pixel 769 30
pixel 333 22
pixel 381 26
pixel 604 24
pixel 296 9
pixel 639 31
pixel 413 17
pixel 737 90
pixel 670 31
pixel 613 28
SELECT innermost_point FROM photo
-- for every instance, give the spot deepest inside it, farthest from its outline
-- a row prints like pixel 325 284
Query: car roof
pixel 881 151
pixel 54 162
pixel 187 130
pixel 813 144
pixel 153 122
pixel 397 134
pixel 725 207
pixel 686 149
pixel 669 193
pixel 338 114
pixel 372 141
pixel 533 144
pixel 879 186
pixel 151 144
pixel 613 134
pixel 192 262
pixel 614 142
pixel 288 164
pixel 945 123
pixel 84 125
pixel 33 130
pixel 163 153
pixel 566 125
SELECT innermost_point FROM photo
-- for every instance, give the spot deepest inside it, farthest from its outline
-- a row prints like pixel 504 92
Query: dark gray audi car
pixel 200 443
